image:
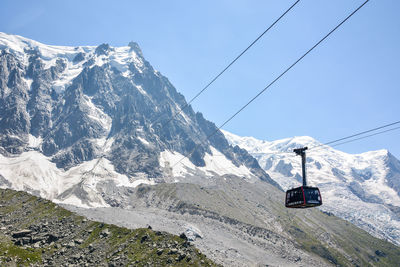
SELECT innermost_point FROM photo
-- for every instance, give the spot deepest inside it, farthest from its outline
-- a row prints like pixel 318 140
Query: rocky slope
pixel 246 224
pixel 37 232
pixel 363 188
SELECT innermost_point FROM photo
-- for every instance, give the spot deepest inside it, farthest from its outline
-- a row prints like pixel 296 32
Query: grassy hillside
pixel 37 232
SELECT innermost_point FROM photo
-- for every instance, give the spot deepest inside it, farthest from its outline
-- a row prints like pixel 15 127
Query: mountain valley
pixel 90 129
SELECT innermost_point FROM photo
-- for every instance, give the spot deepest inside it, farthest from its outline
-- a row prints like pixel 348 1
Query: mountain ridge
pixel 103 109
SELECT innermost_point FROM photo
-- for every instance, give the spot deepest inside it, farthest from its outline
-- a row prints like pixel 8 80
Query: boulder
pixel 21 233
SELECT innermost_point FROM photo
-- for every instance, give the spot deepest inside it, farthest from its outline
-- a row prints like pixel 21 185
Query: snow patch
pixel 98 115
pixel 104 143
pixel 176 163
pixel 121 58
pixel 141 90
pixel 34 142
pixel 182 114
pixel 219 164
pixel 28 82
pixel 144 141
pixel 101 60
pixel 192 232
pixel 35 173
pixel 49 55
pixel 75 201
pixel 65 79
pixel 216 164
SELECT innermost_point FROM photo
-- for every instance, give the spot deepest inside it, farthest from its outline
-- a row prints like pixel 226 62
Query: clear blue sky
pixel 348 84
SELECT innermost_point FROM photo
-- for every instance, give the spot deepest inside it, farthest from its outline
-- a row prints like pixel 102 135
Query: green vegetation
pixel 21 256
pixel 55 236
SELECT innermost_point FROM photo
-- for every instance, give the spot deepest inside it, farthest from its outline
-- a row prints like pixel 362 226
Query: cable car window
pixel 303 197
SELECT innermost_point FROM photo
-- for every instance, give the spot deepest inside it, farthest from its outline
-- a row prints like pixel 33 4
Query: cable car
pixel 303 196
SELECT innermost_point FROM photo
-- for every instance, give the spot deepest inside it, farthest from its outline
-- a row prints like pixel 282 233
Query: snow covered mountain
pixel 87 127
pixel 363 189
pixel 75 121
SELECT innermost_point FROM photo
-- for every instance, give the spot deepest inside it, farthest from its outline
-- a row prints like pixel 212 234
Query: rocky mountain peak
pixel 103 49
pixel 135 47
pixel 79 106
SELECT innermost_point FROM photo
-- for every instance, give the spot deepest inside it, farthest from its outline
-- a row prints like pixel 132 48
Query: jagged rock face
pixel 15 118
pixel 76 104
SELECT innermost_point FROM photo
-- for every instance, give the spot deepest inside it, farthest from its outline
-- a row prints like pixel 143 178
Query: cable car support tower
pixel 302 152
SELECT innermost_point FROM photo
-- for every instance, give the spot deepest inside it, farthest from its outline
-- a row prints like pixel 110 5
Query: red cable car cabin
pixel 303 197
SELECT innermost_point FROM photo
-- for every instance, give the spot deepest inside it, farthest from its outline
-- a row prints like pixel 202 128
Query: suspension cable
pixel 227 67
pixel 357 134
pixel 276 79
